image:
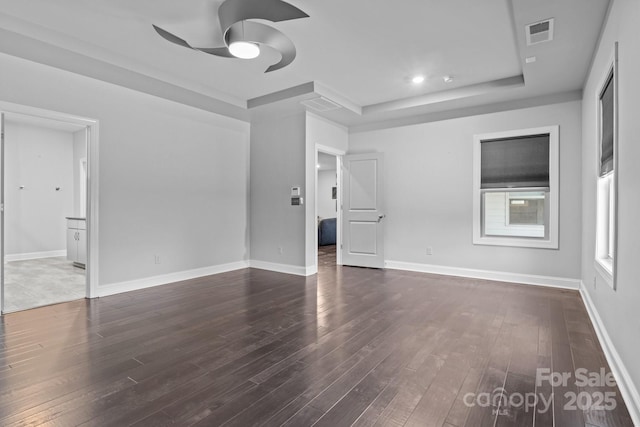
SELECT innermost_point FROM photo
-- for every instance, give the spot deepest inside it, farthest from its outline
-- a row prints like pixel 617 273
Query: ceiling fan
pixel 243 37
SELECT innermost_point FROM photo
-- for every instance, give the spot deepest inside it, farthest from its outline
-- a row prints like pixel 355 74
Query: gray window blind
pixel 606 138
pixel 515 162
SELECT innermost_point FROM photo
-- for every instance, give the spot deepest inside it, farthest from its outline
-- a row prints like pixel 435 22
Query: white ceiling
pixel 359 53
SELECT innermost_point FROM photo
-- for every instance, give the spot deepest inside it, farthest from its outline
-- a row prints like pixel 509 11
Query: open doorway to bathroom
pixel 327 205
pixel 44 188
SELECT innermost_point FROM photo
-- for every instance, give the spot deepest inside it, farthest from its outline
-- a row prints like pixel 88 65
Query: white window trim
pixel 604 262
pixel 554 180
pixel 606 266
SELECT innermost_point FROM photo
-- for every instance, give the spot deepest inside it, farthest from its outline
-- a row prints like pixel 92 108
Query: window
pixel 516 188
pixel 526 208
pixel 606 181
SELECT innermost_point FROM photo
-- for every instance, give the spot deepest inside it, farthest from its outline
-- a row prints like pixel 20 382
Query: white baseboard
pixel 628 389
pixel 283 268
pixel 500 276
pixel 35 255
pixel 148 282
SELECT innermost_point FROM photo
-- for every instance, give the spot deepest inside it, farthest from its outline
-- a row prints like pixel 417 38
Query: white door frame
pixel 338 153
pixel 91 186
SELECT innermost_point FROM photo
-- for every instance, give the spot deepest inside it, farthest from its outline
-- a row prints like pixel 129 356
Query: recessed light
pixel 447 79
pixel 530 59
pixel 417 79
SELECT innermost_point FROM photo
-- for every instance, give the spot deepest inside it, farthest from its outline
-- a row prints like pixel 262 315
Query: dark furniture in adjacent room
pixel 327 232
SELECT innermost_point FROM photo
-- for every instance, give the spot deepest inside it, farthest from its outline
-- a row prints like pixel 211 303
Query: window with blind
pixel 515 188
pixel 606 182
pixel 606 126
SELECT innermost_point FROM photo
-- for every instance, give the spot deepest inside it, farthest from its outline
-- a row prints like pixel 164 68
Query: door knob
pixel 380 217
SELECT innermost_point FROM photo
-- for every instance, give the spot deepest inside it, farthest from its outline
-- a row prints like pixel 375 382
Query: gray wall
pixel 277 164
pixel 173 179
pixel 41 160
pixel 283 155
pixel 428 190
pixel 618 309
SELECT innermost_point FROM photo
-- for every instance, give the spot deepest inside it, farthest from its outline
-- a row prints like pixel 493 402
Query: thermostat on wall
pixel 295 191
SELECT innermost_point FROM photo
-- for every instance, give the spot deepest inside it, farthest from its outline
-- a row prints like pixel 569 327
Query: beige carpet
pixel 38 282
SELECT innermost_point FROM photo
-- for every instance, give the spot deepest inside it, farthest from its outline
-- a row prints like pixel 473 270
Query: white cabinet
pixel 77 241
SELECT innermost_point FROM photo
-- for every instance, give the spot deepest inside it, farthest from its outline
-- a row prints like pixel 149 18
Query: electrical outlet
pixel 429 250
pixel 156 259
pixel 595 282
pixel 280 250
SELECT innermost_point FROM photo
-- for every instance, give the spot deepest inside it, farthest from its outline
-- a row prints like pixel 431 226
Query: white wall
pixel 325 133
pixel 79 153
pixel 173 179
pixel 39 159
pixel 326 203
pixel 428 190
pixel 277 164
pixel 617 309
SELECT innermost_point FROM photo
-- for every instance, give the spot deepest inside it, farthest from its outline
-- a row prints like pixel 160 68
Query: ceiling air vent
pixel 320 104
pixel 539 32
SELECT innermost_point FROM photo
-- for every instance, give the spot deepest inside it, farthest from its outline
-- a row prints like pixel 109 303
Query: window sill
pixel 517 242
pixel 604 268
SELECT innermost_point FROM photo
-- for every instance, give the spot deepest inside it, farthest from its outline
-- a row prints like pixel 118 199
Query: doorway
pixel 46 204
pixel 328 208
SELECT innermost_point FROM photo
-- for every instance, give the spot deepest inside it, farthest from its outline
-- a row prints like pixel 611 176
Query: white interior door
pixel 363 215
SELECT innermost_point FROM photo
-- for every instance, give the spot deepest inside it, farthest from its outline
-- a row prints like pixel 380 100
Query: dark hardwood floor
pixel 327 256
pixel 351 346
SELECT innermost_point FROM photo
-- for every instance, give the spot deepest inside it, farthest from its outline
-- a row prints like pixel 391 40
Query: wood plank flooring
pixel 327 256
pixel 349 346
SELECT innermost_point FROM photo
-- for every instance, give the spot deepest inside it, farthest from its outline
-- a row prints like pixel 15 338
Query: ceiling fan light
pixel 244 50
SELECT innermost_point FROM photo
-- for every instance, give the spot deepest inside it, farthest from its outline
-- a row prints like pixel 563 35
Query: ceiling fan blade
pixel 232 11
pixel 217 51
pixel 265 35
pixel 172 38
pixel 234 16
pixel 282 44
pixel 288 55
